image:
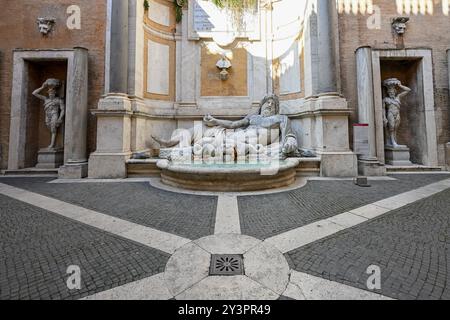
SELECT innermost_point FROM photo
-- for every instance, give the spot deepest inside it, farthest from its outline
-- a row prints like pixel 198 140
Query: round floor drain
pixel 226 265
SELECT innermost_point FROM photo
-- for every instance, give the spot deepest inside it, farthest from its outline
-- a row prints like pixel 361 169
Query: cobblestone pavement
pixel 189 216
pixel 37 247
pixel 410 245
pixel 266 216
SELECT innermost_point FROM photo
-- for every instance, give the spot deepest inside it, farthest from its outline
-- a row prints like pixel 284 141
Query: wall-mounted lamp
pixel 224 64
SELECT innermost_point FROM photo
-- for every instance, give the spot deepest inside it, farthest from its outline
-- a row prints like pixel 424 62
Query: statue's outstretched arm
pixel 212 122
pixel 37 92
pixel 167 143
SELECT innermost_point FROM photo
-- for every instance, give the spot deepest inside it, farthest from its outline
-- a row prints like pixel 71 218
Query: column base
pixel 339 164
pixel 73 171
pixel 50 158
pixel 398 156
pixel 371 168
pixel 108 166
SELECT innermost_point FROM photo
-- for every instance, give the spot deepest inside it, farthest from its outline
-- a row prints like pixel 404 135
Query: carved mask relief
pixel 45 25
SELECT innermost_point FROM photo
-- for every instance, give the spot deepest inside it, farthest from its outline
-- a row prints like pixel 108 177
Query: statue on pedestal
pixel 54 107
pixel 391 108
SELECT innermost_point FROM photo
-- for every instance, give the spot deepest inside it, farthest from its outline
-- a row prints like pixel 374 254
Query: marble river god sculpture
pixel 266 135
pixel 391 108
pixel 54 107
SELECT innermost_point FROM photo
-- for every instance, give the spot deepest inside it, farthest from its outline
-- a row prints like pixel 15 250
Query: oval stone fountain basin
pixel 235 177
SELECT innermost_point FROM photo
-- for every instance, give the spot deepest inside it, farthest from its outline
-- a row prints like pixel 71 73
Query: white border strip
pixel 302 236
pixel 227 216
pixel 152 288
pixel 150 237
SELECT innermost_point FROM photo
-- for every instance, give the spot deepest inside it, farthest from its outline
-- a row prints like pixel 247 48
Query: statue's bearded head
pixel 51 93
pixel 52 86
pixel 270 106
pixel 391 86
pixel 392 92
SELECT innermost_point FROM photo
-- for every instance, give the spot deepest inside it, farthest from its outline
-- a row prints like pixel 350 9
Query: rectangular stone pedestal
pixel 339 164
pixel 108 166
pixel 73 171
pixel 371 168
pixel 398 156
pixel 50 159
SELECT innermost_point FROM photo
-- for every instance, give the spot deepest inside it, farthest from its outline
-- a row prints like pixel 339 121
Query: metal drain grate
pixel 226 265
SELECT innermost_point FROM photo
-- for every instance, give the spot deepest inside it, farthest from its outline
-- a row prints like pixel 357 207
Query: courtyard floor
pixel 136 239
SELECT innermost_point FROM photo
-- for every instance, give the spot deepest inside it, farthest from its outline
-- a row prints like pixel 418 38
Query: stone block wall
pixel 427 28
pixel 18 29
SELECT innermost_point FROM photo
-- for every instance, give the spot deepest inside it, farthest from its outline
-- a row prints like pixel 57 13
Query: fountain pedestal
pixel 229 177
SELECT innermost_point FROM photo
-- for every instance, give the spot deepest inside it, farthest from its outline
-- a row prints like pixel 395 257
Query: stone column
pixel 115 109
pixel 368 164
pixel 118 47
pixel 448 144
pixel 75 144
pixel 326 48
pixel 330 109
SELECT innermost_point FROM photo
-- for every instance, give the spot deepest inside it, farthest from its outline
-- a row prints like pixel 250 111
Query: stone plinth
pixel 73 171
pixel 398 156
pixel 50 158
pixel 371 168
pixel 113 138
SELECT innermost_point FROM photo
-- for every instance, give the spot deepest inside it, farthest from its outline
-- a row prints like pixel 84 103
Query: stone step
pixel 143 168
pixel 31 172
pixel 309 167
pixel 413 168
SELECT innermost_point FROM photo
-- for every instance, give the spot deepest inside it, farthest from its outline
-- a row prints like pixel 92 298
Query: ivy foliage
pixel 235 4
pixel 178 4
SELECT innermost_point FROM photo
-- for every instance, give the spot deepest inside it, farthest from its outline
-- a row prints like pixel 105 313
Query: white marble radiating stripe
pixel 147 236
pixel 227 216
pixel 302 236
pixel 152 288
pixel 307 287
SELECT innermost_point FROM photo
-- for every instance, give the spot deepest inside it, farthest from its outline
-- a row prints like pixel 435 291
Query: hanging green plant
pixel 238 8
pixel 179 4
pixel 235 4
pixel 146 5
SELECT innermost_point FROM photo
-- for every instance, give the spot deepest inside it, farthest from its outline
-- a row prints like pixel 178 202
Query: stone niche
pixel 412 131
pixel 414 68
pixel 28 132
pixel 38 136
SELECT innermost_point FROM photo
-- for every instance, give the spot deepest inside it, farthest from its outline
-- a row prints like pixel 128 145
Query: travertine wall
pixel 18 29
pixel 427 28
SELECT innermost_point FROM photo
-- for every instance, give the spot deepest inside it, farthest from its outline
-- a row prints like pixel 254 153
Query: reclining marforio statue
pixel 268 133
